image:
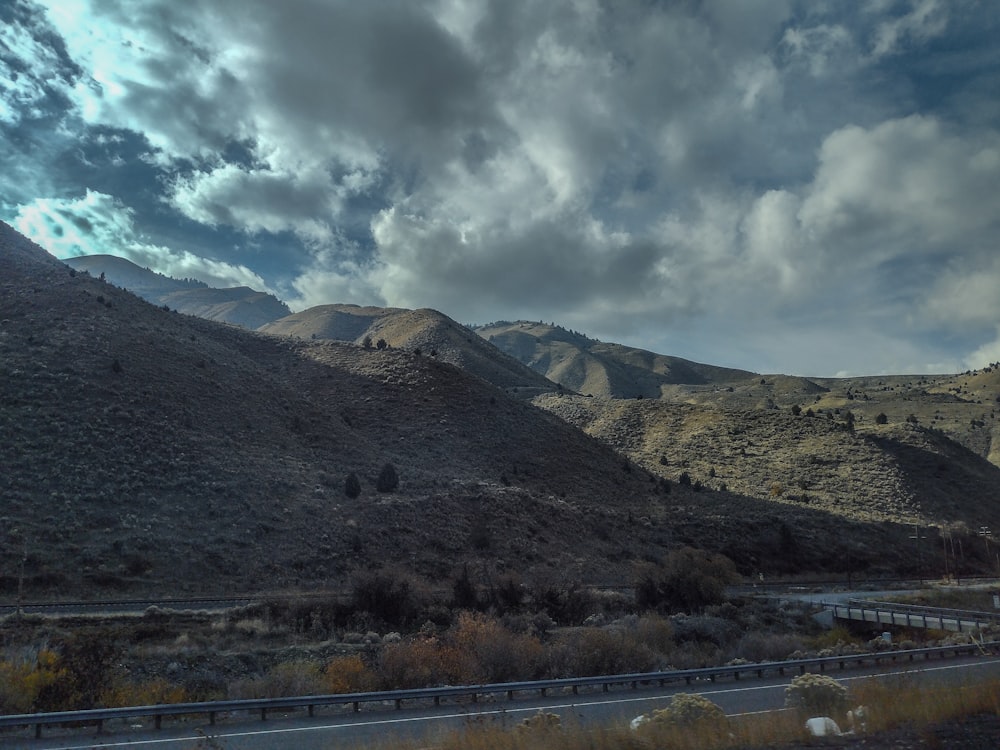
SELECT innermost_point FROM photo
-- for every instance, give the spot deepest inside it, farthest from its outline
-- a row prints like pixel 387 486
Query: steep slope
pixel 427 331
pixel 597 368
pixel 146 450
pixel 238 305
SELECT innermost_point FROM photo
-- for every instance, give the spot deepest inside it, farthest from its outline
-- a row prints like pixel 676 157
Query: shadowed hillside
pixel 145 450
pixel 239 305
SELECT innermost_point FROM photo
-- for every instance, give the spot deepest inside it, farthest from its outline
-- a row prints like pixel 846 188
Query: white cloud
pixel 926 20
pixel 624 167
pixel 985 355
pixel 258 200
pixel 906 180
pixel 100 224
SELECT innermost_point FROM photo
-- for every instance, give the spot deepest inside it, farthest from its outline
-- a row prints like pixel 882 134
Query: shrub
pixel 489 652
pixel 348 674
pixel 150 693
pixel 388 597
pixel 881 419
pixel 388 479
pixel 689 580
pixel 688 710
pixel 817 695
pixel 23 680
pixel 285 679
pixel 541 722
pixel 757 646
pixel 600 651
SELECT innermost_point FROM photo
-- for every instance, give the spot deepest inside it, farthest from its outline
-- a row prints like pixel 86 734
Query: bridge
pixel 911 616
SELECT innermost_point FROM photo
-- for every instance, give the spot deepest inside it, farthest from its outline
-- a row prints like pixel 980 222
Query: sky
pixel 809 188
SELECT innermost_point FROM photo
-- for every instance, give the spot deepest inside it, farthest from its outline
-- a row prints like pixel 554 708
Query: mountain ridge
pixel 145 450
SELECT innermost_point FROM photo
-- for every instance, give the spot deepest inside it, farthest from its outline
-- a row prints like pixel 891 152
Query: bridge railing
pixel 474 692
pixel 965 614
pixel 891 613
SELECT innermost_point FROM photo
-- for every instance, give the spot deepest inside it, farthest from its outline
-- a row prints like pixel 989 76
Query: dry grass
pixel 898 713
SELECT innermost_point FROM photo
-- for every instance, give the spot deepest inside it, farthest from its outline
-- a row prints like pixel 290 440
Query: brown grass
pixel 898 714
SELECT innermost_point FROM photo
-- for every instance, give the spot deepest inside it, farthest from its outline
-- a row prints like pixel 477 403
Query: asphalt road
pixel 326 731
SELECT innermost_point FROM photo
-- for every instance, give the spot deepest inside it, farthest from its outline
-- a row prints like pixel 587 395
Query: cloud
pixel 926 20
pixel 256 200
pixel 100 224
pixel 629 169
pixel 985 355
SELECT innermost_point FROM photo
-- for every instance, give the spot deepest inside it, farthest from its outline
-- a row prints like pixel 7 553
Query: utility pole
pixel 20 577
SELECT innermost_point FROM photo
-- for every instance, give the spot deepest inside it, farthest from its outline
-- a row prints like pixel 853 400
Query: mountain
pixel 145 451
pixel 427 331
pixel 238 305
pixel 596 368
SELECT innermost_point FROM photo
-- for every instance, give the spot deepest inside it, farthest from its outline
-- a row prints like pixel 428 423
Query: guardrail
pixel 912 616
pixel 473 692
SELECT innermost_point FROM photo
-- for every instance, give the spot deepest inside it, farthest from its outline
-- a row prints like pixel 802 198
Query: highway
pixel 331 729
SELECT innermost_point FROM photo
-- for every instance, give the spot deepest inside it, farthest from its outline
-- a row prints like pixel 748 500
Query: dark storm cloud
pixel 762 175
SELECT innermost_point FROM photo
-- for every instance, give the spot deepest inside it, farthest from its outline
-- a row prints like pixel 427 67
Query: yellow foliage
pixel 22 683
pixel 150 693
pixel 348 674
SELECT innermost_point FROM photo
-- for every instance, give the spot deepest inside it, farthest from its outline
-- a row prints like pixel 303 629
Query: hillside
pixel 962 407
pixel 149 451
pixel 427 331
pixel 238 305
pixel 898 472
pixel 596 368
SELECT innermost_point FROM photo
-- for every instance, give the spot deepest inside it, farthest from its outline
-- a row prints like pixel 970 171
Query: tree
pixel 366 342
pixel 881 419
pixel 352 485
pixel 388 479
pixel 381 344
pixel 688 580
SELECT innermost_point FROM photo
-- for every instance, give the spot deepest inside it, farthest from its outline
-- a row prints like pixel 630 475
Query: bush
pixel 388 479
pixel 689 580
pixel 758 647
pixel 388 597
pixel 601 651
pixel 348 674
pixel 285 679
pixel 817 695
pixel 23 680
pixel 688 710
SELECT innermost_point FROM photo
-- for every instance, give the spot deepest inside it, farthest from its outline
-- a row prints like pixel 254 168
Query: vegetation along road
pixel 598 708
